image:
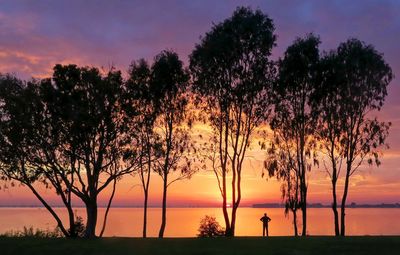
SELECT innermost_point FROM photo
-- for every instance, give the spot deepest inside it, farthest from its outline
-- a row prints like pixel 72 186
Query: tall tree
pixel 169 83
pixel 364 77
pixel 85 107
pixel 233 76
pixel 146 142
pixel 329 129
pixel 293 120
pixel 25 141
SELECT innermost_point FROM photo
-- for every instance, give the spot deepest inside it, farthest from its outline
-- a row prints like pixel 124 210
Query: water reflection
pixel 184 222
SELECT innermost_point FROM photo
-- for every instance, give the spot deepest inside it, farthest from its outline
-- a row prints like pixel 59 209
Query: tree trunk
pixel 50 209
pixel 224 206
pixel 91 211
pixel 303 193
pixel 296 233
pixel 334 204
pixel 233 220
pixel 226 217
pixel 146 195
pixel 343 205
pixel 108 208
pixel 146 185
pixel 71 217
pixel 233 205
pixel 164 209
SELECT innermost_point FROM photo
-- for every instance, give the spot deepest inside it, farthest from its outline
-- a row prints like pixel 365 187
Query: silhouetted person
pixel 265 219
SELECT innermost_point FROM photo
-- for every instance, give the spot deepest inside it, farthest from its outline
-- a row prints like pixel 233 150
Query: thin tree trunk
pixel 334 204
pixel 223 151
pixel 236 204
pixel 304 215
pixel 295 222
pixel 343 205
pixel 225 213
pixel 108 208
pixel 233 205
pixel 304 205
pixel 146 194
pixel 164 208
pixel 71 217
pixel 233 221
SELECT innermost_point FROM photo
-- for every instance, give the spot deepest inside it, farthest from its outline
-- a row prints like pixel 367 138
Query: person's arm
pixel 269 219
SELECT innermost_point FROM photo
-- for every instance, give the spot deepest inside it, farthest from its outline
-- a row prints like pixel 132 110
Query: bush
pixel 209 227
pixel 31 232
pixel 79 227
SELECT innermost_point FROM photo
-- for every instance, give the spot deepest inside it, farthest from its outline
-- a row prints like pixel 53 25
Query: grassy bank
pixel 220 246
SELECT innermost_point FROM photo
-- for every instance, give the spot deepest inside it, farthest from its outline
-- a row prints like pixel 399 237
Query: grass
pixel 239 245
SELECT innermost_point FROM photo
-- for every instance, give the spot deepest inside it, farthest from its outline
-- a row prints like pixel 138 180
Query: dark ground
pixel 239 245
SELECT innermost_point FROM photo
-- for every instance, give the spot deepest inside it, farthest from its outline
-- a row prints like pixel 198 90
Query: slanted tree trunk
pixel 164 207
pixel 48 207
pixel 343 205
pixel 108 208
pixel 224 207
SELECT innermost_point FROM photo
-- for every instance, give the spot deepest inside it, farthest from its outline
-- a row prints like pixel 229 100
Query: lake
pixel 184 222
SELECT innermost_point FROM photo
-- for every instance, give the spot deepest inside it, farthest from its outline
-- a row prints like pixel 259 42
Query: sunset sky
pixel 35 35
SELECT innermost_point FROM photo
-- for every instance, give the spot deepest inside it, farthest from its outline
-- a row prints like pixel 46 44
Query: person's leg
pixel 263 230
pixel 267 229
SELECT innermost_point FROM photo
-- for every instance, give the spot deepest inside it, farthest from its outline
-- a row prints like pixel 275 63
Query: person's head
pixel 265 214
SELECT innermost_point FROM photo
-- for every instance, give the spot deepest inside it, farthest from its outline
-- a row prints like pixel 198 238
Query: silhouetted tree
pixel 359 88
pixel 327 113
pixel 293 124
pixel 25 141
pixel 84 108
pixel 232 76
pixel 281 163
pixel 169 82
pixel 146 141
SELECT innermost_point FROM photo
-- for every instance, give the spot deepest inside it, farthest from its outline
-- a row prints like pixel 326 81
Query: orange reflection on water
pixel 184 222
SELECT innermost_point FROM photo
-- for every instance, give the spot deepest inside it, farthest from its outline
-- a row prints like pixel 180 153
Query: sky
pixel 36 35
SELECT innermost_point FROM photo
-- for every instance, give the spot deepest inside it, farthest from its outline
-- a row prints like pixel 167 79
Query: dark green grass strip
pixel 239 245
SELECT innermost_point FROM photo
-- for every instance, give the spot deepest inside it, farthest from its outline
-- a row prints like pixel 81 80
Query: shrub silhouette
pixel 209 227
pixel 79 227
pixel 31 232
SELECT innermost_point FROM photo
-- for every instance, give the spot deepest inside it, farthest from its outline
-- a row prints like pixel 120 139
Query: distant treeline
pixel 80 131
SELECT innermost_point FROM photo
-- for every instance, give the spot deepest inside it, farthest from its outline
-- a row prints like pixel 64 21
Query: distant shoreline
pixel 262 205
pixel 319 205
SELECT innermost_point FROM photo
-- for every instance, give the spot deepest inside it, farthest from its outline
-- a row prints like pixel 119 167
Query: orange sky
pixel 369 185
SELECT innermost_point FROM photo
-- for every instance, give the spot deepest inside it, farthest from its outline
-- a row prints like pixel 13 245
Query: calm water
pixel 184 222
